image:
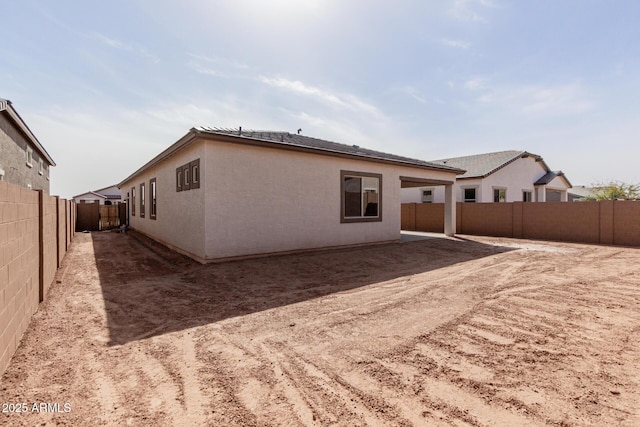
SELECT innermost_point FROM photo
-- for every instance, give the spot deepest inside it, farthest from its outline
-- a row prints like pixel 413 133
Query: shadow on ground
pixel 150 290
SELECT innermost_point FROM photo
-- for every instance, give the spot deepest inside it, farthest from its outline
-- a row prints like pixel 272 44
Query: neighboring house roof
pixel 287 140
pixel 7 107
pixel 550 176
pixel 102 193
pixel 93 193
pixel 483 165
pixel 111 192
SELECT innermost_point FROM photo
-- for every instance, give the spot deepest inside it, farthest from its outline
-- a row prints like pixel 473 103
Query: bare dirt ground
pixel 475 331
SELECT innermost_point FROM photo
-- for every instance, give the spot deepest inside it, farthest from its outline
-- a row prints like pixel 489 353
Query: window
pixel 185 177
pixel 361 195
pixel 427 196
pixel 469 195
pixel 526 196
pixel 133 201
pixel 1 174
pixel 195 173
pixel 29 157
pixel 142 200
pixel 41 167
pixel 499 195
pixel 152 196
pixel 179 179
pixel 188 176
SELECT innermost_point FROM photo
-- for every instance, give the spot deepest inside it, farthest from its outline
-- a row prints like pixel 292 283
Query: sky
pixel 106 86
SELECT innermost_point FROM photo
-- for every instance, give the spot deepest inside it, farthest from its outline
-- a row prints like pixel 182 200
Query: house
pixel 219 194
pixel 111 195
pixel 580 192
pixel 505 176
pixel 23 160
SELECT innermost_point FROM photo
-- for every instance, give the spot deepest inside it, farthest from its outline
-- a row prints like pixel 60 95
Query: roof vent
pixel 240 130
pixel 355 146
pixel 299 130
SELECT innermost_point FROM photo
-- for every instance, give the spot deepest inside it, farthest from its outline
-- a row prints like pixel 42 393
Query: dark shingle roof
pixel 303 141
pixel 482 165
pixel 287 140
pixel 550 176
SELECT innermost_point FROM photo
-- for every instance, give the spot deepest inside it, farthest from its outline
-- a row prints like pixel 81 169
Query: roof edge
pixel 287 146
pixel 6 105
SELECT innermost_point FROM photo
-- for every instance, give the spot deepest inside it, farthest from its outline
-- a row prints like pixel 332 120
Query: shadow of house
pixel 149 290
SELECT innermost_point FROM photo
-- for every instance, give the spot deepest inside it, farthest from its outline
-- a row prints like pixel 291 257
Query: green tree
pixel 615 190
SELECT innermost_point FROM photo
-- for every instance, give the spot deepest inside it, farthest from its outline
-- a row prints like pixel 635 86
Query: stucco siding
pixel 264 200
pixel 515 177
pixel 13 159
pixel 179 221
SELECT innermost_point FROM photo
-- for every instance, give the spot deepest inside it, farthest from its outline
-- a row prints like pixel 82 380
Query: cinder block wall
pixel 605 222
pixel 49 243
pixel 429 217
pixel 30 239
pixel 19 265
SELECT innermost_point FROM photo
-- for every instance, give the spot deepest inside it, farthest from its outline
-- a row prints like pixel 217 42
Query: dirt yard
pixel 473 331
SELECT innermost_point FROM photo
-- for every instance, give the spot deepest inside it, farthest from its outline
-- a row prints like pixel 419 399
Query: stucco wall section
pixel 264 200
pixel 19 265
pixel 179 223
pixel 13 158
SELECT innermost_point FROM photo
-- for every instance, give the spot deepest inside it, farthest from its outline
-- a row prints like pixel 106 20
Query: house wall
pixel 29 257
pixel 264 200
pixel 179 222
pixel 13 158
pixel 605 222
pixel 515 177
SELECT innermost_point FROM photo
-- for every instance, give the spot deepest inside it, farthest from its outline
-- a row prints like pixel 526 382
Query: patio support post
pixel 449 211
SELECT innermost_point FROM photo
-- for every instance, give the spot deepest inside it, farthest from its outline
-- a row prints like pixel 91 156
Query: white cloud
pixel 341 101
pixel 476 83
pixel 459 44
pixel 539 99
pixel 467 10
pixel 117 44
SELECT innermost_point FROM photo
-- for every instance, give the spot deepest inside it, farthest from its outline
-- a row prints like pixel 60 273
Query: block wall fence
pixel 610 222
pixel 36 231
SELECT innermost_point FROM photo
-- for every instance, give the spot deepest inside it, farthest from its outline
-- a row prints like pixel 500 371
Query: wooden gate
pixel 88 217
pixel 109 217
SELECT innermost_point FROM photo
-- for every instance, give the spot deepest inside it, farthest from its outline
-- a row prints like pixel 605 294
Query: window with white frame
pixel 469 194
pixel 527 195
pixel 30 157
pixel 41 167
pixel 1 174
pixel 142 201
pixel 133 201
pixel 361 197
pixel 152 197
pixel 427 196
pixel 499 195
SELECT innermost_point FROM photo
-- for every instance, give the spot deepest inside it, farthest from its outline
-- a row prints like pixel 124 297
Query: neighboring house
pixel 217 194
pixel 111 195
pixel 580 192
pixel 23 160
pixel 505 176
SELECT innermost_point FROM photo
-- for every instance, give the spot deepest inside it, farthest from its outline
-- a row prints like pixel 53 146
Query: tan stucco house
pixel 219 194
pixel 503 176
